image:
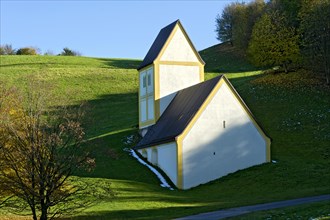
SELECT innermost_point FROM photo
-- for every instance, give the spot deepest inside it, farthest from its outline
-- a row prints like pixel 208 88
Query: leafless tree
pixel 40 149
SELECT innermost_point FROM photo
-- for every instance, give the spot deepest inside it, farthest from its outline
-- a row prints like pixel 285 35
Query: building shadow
pixel 121 63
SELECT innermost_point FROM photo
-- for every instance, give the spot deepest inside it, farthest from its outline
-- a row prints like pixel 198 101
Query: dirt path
pixel 225 213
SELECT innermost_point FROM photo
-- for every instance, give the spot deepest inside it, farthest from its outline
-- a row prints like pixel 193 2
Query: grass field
pixel 293 108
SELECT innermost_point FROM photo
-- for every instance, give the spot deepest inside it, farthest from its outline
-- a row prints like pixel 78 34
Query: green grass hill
pixel 294 110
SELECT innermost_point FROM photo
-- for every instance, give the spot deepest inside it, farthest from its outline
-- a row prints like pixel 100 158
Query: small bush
pixel 7 49
pixel 27 51
pixel 68 52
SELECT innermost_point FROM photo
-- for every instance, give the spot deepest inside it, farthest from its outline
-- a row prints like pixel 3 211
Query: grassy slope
pixel 295 115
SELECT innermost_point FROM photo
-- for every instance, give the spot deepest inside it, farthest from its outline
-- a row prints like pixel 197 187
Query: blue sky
pixel 112 29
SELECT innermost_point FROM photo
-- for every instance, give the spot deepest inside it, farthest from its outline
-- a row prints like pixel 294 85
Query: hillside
pixel 293 109
pixel 224 58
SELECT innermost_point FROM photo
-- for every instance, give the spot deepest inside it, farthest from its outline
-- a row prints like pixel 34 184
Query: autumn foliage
pixel 281 33
pixel 40 148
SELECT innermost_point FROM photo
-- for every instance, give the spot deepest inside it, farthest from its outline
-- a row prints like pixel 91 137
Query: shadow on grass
pixel 224 58
pixel 155 213
pixel 237 81
pixel 111 113
pixel 121 63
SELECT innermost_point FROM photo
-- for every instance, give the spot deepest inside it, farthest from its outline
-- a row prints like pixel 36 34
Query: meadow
pixel 293 109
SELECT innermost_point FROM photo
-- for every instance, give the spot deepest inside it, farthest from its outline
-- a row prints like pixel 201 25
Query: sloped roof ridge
pixel 158 44
pixel 178 114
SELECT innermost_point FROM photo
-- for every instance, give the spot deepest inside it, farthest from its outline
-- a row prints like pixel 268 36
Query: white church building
pixel 194 130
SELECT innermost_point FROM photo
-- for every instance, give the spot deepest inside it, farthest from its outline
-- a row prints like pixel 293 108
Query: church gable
pixel 157 45
pixel 179 48
pixel 175 65
pixel 172 44
pixel 214 132
pixel 232 141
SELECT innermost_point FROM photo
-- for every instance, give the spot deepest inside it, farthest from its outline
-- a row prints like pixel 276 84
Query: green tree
pixel 224 24
pixel 290 9
pixel 273 42
pixel 240 27
pixel 245 18
pixel 68 52
pixel 236 22
pixel 27 51
pixel 315 31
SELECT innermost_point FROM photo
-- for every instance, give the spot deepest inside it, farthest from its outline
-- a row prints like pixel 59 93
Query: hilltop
pixel 293 109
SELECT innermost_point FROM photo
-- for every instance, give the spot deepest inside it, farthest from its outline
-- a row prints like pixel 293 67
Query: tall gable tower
pixel 171 64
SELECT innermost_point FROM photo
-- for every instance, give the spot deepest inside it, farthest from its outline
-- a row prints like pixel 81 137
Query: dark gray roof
pixel 157 45
pixel 178 114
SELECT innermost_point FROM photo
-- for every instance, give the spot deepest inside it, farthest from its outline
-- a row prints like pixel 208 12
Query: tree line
pixel 7 49
pixel 281 33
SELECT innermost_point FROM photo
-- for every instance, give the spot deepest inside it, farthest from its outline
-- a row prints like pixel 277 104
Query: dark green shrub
pixel 27 51
pixel 68 52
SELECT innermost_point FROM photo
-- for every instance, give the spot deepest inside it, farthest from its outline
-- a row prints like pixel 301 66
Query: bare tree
pixel 7 49
pixel 40 149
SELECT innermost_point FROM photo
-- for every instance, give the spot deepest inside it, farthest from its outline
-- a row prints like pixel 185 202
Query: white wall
pixel 167 160
pixel 211 151
pixel 165 157
pixel 143 152
pixel 179 49
pixel 173 78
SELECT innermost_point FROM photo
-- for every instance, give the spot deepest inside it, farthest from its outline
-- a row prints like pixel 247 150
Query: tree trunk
pixel 285 68
pixel 34 214
pixel 43 213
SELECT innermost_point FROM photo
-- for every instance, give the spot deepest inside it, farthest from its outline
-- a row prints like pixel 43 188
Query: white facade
pixel 180 71
pixel 165 157
pixel 179 49
pixel 177 66
pixel 174 78
pixel 222 137
pixel 223 140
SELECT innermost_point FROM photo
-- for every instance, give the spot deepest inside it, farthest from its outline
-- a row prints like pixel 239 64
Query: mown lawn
pixel 294 110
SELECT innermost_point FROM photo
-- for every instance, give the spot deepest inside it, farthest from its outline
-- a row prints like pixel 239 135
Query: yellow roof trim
pixel 223 80
pixel 179 25
pixel 146 67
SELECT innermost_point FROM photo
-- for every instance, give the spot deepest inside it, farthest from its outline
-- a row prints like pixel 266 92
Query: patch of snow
pixel 129 139
pixel 159 176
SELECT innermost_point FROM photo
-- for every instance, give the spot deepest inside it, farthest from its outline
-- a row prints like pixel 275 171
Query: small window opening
pixel 224 124
pixel 144 154
pixel 149 80
pixel 213 153
pixel 144 81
